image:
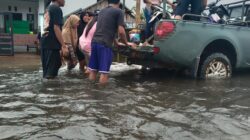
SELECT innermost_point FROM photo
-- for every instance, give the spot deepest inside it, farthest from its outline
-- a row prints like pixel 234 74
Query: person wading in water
pixel 70 38
pixel 52 41
pixel 110 21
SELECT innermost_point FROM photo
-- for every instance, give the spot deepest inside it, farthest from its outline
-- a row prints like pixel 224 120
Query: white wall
pixel 41 9
pixel 22 7
pixel 1 22
pixel 73 5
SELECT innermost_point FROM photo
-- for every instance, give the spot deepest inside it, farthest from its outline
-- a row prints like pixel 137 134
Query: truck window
pixel 236 12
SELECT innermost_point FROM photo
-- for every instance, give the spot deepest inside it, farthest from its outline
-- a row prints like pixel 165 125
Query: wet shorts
pixel 101 58
pixel 183 6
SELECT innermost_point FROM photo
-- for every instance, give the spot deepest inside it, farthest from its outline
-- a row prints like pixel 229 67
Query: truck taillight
pixel 164 29
pixel 156 50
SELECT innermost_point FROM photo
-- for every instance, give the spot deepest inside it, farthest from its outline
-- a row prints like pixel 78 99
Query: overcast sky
pixel 73 5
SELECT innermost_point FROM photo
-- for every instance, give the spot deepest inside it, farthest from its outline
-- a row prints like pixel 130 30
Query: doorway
pixel 6 34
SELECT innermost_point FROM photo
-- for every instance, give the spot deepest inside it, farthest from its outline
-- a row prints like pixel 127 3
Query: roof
pixel 79 11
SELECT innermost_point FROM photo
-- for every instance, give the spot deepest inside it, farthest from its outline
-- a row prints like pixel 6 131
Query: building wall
pixel 73 5
pixel 1 23
pixel 22 7
pixel 41 9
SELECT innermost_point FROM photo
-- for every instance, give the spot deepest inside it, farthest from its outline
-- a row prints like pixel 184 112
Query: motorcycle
pixel 158 13
pixel 217 14
pixel 135 35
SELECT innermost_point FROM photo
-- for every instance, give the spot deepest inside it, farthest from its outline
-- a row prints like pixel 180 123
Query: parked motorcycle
pixel 158 13
pixel 136 35
pixel 217 14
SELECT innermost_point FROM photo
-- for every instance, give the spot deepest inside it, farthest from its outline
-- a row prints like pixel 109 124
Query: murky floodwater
pixel 158 105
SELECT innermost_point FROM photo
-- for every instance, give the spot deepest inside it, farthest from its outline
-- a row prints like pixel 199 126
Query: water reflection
pixel 158 105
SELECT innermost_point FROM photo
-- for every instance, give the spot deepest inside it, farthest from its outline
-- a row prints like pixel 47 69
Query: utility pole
pixel 123 5
pixel 164 8
pixel 138 12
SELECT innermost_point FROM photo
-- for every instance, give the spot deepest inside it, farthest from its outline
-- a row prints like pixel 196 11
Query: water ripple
pixel 133 106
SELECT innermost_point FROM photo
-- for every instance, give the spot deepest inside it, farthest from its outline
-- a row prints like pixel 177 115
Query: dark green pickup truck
pixel 207 50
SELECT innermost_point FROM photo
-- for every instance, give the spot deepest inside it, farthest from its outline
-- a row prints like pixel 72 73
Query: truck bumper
pixel 145 56
pixel 143 53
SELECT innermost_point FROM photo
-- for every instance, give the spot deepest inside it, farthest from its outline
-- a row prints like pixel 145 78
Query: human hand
pixel 145 44
pixel 65 51
pixel 132 45
pixel 120 44
pixel 173 6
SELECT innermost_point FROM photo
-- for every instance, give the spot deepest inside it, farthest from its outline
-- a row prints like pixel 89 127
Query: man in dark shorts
pixel 52 42
pixel 197 6
pixel 110 21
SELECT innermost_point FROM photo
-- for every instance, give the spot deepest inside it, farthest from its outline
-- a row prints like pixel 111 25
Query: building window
pixel 17 16
pixel 9 8
pixel 30 10
pixel 30 19
pixel 15 9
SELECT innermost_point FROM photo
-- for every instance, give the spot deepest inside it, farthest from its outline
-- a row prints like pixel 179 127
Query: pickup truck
pixel 209 51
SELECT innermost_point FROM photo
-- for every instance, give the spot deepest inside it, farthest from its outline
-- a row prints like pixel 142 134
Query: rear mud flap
pixel 195 67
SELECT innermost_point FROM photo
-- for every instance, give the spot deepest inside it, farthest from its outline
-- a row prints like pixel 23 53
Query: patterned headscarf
pixel 69 32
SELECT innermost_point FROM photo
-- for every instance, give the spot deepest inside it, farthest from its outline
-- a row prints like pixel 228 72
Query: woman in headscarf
pixel 70 38
pixel 84 19
pixel 86 38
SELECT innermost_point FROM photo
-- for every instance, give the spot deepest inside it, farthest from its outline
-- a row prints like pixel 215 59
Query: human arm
pixel 205 3
pixel 117 43
pixel 59 37
pixel 122 32
pixel 123 37
pixel 58 34
pixel 57 21
pixel 171 4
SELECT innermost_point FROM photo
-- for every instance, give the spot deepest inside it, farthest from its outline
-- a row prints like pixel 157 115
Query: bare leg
pixel 82 65
pixel 87 72
pixel 104 79
pixel 92 75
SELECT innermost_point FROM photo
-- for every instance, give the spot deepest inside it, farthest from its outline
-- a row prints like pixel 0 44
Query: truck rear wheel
pixel 216 66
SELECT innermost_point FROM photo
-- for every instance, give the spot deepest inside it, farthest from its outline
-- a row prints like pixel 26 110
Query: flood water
pixel 157 106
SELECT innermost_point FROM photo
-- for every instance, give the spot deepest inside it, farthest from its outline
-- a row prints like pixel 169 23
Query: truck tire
pixel 216 66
